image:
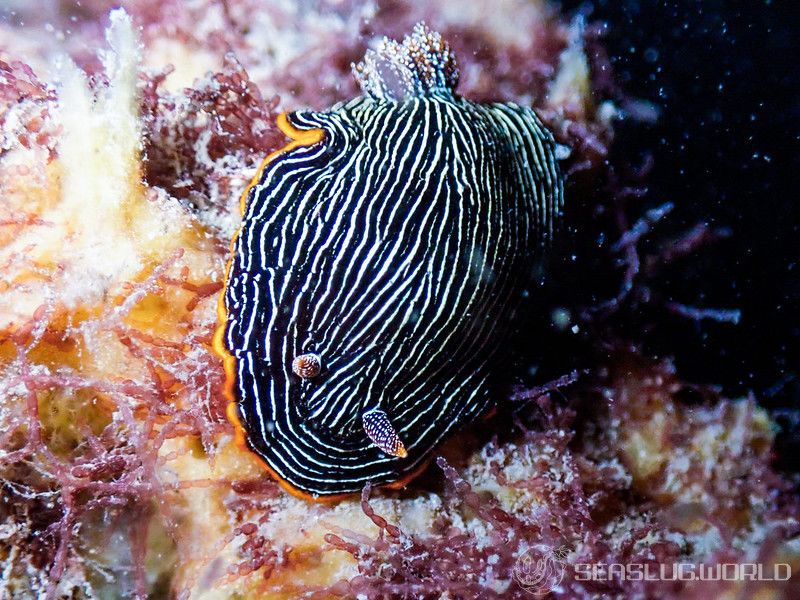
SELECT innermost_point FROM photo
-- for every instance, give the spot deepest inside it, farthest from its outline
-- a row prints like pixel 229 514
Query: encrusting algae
pixel 118 472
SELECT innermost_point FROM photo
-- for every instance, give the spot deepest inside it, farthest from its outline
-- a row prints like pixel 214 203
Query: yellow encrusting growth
pixel 103 278
pixel 570 91
pixel 99 227
pixel 99 158
pixel 103 258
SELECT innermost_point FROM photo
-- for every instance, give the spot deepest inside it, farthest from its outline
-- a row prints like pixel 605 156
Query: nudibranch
pixel 375 279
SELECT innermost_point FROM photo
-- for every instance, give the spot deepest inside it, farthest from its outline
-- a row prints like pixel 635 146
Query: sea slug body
pixel 374 282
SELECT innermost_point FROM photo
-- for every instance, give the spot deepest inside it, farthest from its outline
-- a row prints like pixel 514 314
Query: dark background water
pixel 726 151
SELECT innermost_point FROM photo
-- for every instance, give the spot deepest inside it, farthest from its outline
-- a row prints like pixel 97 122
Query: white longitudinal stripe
pixel 274 313
pixel 441 346
pixel 290 424
pixel 394 320
pixel 394 288
pixel 386 263
pixel 388 320
pixel 414 358
pixel 386 150
pixel 355 160
pixel 255 298
pixel 341 250
pixel 398 282
pixel 394 192
pixel 392 249
pixel 255 211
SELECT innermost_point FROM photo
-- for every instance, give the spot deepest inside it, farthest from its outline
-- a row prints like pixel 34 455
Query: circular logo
pixel 539 570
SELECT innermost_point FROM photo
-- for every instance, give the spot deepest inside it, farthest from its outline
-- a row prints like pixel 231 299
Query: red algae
pixel 113 470
pixel 591 507
pixel 199 143
pixel 27 100
pixel 607 465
